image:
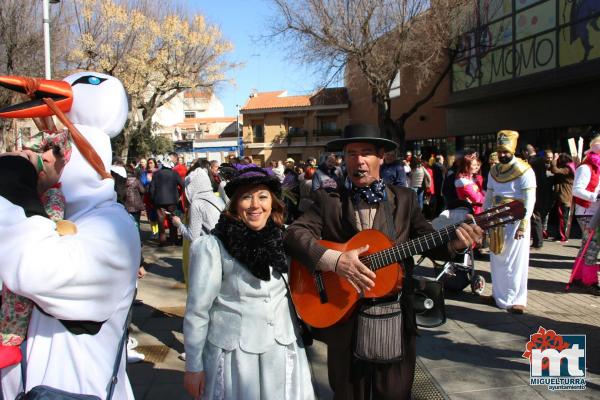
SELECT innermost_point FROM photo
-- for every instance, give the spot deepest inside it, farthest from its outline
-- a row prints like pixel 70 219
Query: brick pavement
pixel 476 354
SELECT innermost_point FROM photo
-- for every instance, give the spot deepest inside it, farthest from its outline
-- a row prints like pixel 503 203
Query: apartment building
pixel 277 126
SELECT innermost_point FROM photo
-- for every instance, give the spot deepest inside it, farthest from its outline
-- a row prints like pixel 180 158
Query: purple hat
pixel 253 176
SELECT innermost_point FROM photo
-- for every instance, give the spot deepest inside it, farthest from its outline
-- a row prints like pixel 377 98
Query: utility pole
pixel 240 146
pixel 46 23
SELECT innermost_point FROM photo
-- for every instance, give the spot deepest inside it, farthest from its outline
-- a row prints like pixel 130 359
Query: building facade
pixel 15 132
pixel 537 72
pixel 196 123
pixel 533 66
pixel 210 138
pixel 277 126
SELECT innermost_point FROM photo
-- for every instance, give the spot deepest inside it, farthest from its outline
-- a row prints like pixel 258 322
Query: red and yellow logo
pixel 545 339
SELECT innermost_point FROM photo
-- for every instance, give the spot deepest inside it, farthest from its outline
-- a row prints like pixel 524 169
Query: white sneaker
pixel 134 357
pixel 132 343
pixel 182 357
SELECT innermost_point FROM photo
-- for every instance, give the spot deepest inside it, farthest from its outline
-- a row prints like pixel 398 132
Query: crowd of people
pixel 238 224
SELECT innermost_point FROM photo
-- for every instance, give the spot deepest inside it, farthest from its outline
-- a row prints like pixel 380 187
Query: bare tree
pixel 377 38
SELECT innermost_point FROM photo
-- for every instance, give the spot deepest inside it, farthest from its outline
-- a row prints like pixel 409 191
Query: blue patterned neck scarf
pixel 372 194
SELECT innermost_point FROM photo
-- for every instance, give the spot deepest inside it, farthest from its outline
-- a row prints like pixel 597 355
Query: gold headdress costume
pixel 506 141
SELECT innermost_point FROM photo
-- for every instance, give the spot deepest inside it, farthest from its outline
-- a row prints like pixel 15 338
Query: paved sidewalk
pixel 476 354
pixel 157 325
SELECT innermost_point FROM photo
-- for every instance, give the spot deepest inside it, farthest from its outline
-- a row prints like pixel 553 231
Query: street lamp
pixel 46 21
pixel 237 129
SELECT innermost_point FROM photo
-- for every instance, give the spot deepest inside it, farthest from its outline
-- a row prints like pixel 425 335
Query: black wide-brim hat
pixel 361 133
pixel 253 176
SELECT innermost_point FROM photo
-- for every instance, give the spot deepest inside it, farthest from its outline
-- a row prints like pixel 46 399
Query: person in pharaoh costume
pixel 510 179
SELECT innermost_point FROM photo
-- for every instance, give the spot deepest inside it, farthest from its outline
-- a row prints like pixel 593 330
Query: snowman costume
pixel 89 276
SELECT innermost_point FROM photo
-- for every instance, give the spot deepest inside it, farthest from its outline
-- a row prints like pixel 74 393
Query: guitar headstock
pixel 501 215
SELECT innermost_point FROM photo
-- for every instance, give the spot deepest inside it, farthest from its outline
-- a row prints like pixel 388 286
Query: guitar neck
pixel 408 249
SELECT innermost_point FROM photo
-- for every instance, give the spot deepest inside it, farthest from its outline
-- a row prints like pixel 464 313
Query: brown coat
pixel 563 184
pixel 333 218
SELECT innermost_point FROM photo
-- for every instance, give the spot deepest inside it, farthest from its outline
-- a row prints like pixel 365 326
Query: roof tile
pixel 277 99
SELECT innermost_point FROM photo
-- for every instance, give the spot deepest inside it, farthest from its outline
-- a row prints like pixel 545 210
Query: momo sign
pixel 512 39
pixel 557 361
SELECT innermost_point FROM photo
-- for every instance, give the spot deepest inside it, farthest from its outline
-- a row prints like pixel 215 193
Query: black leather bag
pixel 378 335
pixel 43 392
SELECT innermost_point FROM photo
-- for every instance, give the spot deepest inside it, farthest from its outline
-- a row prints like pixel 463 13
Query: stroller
pixel 460 272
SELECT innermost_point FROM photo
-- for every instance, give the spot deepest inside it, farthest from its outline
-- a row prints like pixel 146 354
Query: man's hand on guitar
pixel 466 236
pixel 350 267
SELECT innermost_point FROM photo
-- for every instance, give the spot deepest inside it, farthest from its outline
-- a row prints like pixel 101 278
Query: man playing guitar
pixel 365 202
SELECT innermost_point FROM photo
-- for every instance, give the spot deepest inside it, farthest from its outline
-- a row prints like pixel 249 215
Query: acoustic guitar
pixel 323 299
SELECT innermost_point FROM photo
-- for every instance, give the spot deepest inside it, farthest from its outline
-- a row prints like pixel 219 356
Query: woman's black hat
pixel 361 133
pixel 253 176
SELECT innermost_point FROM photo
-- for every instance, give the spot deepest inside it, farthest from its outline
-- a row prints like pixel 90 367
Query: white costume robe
pixel 89 276
pixel 510 267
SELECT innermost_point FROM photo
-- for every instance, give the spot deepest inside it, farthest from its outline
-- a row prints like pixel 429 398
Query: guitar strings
pixel 393 254
pixel 398 252
pixel 380 259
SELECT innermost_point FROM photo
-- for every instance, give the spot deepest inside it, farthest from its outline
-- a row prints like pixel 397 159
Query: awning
pixel 214 149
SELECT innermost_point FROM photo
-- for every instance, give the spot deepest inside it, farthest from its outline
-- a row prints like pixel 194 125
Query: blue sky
pixel 266 66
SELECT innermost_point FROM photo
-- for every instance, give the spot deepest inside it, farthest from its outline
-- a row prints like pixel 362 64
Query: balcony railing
pixel 297 133
pixel 327 132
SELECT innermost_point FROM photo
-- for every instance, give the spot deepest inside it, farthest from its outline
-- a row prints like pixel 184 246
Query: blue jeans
pixel 419 191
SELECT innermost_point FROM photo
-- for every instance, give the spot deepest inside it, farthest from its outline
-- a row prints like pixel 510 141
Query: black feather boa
pixel 255 250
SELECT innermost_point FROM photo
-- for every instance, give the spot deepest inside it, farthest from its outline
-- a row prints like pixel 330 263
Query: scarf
pixel 255 250
pixel 593 160
pixel 372 194
pixel 50 139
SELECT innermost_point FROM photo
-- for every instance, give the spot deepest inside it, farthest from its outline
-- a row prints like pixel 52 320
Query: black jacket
pixel 544 196
pixel 163 188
